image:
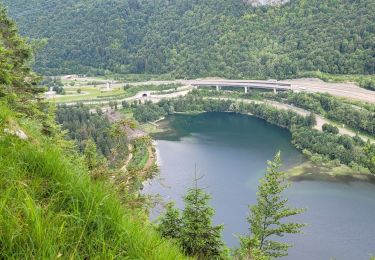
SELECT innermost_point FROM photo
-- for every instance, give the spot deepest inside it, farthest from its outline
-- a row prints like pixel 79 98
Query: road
pixel 139 96
pixel 320 121
pixel 346 90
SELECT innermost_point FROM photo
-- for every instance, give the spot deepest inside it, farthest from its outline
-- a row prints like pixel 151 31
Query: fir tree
pixel 267 217
pixel 170 223
pixel 91 154
pixel 199 238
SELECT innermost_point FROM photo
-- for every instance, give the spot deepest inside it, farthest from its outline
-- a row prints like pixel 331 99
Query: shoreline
pixel 306 171
pixel 309 171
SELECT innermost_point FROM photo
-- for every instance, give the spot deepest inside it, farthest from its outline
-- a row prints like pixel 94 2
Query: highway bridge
pixel 245 84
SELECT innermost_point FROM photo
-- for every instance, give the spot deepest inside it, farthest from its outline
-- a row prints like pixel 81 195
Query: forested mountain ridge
pixel 228 38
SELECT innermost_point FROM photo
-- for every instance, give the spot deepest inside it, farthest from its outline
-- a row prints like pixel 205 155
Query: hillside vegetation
pixel 229 38
pixel 50 207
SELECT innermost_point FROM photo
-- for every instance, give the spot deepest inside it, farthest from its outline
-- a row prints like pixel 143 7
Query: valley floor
pixel 311 85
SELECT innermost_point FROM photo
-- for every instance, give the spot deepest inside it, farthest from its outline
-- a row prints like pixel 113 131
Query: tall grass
pixel 50 208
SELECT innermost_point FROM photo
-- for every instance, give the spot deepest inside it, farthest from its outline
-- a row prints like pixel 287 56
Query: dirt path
pixel 133 134
pixel 130 157
pixel 151 159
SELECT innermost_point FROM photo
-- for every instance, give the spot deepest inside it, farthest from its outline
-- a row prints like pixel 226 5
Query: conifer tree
pixel 170 223
pixel 193 230
pixel 91 154
pixel 267 218
pixel 97 164
pixel 199 238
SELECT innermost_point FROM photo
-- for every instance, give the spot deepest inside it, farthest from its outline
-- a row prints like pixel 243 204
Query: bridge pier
pixel 246 85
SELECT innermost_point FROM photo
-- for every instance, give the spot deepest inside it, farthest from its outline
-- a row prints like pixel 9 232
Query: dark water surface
pixel 231 152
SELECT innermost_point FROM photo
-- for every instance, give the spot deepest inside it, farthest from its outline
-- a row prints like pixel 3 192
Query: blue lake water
pixel 231 151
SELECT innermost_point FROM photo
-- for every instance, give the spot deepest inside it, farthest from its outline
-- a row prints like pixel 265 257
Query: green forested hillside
pixel 200 38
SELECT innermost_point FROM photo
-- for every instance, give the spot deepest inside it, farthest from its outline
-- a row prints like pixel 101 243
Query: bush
pixel 367 84
pixel 330 129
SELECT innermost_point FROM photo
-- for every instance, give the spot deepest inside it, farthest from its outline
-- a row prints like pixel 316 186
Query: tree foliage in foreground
pixel 268 217
pixel 193 229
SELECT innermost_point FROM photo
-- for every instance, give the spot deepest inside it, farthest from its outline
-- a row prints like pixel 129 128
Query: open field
pixel 87 89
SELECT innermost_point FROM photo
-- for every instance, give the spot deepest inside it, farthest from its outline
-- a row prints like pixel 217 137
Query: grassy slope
pixel 49 207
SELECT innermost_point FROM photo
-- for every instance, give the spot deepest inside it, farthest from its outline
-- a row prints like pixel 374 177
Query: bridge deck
pixel 249 84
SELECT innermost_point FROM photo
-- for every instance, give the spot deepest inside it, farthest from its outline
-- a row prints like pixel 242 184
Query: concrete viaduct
pixel 273 85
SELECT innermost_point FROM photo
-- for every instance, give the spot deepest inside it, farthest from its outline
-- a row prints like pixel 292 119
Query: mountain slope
pixel 49 205
pixel 200 38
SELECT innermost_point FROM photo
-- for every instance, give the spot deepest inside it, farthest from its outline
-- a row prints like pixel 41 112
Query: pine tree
pixel 170 223
pixel 91 154
pixel 96 163
pixel 267 217
pixel 199 238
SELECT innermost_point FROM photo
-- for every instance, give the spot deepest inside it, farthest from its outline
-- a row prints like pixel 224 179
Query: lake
pixel 231 152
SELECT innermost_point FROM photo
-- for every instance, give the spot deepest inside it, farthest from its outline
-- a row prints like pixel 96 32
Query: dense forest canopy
pixel 228 38
pixel 83 125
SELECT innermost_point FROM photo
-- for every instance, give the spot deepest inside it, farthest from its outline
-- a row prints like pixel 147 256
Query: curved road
pixel 310 85
pixel 320 121
pixel 346 90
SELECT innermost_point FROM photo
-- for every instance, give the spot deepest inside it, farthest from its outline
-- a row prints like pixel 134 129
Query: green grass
pixel 91 93
pixel 50 208
pixel 127 113
pixel 150 128
pixel 140 154
pixel 323 171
